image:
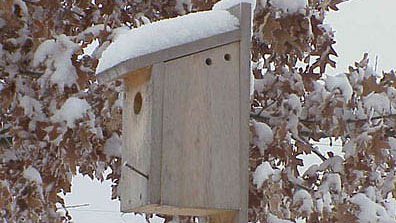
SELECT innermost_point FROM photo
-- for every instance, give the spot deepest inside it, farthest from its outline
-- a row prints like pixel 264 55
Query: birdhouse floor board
pixel 214 215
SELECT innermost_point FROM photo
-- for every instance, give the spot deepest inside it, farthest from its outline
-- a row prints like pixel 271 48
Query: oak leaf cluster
pixel 47 70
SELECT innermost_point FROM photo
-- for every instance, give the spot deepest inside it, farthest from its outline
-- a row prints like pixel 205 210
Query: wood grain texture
pixel 245 20
pixel 158 73
pixel 201 154
pixel 192 135
pixel 136 139
pixel 214 215
pixel 181 211
pixel 124 68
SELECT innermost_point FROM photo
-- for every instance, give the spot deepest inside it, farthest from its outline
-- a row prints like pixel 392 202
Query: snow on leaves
pixel 56 56
pixel 262 173
pixel 72 110
pixel 289 6
pixel 302 105
pixel 339 82
pixel 264 135
pixel 336 107
pixel 370 211
pixel 55 117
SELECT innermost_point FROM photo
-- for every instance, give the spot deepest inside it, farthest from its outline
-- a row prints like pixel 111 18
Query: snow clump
pixel 289 6
pixel 304 200
pixel 264 136
pixel 340 82
pixel 56 54
pixel 370 211
pixel 73 109
pixel 112 147
pixel 227 4
pixel 32 174
pixel 263 172
pixel 274 219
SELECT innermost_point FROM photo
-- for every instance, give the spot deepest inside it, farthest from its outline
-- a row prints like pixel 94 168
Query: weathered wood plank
pixel 181 211
pixel 136 139
pixel 156 133
pixel 201 118
pixel 245 20
pixel 224 217
pixel 214 215
pixel 132 64
pixel 190 140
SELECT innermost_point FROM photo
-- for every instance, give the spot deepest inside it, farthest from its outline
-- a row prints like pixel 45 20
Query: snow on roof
pixel 166 34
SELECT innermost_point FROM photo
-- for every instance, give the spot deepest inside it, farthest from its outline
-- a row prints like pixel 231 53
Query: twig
pixel 4 131
pixel 389 132
pixel 30 1
pixel 77 206
pixel 352 120
pixel 317 122
pixel 316 152
pixel 31 74
pixel 267 106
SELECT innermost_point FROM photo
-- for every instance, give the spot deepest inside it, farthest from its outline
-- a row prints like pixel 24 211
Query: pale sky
pixel 365 26
pixel 101 208
pixel 361 26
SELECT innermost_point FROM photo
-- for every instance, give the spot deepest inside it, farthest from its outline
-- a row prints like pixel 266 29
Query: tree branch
pixel 320 155
pixel 307 121
pixel 389 132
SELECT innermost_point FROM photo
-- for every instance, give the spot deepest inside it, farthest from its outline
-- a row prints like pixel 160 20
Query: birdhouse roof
pixel 166 40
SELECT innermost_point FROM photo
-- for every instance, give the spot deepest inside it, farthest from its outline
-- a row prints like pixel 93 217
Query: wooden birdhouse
pixel 185 114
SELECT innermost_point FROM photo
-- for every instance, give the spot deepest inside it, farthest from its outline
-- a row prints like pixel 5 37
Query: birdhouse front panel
pixel 185 125
pixel 137 139
pixel 201 115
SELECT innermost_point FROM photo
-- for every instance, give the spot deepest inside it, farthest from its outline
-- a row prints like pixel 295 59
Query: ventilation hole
pixel 208 61
pixel 140 196
pixel 137 103
pixel 227 57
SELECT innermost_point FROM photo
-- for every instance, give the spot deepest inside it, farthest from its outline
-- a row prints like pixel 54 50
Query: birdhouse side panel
pixel 137 137
pixel 201 145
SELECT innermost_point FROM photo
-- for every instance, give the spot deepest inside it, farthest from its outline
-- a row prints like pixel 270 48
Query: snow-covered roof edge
pixel 124 67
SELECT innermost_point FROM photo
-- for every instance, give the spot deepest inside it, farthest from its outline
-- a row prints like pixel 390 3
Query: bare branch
pixel 316 151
